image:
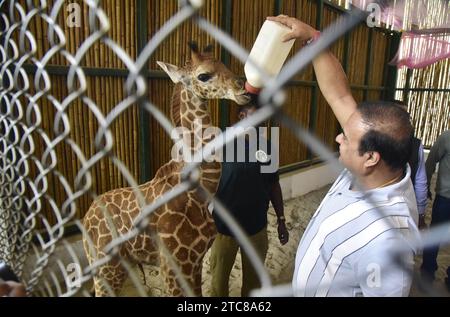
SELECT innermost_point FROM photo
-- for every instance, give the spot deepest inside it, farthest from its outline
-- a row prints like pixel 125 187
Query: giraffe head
pixel 207 77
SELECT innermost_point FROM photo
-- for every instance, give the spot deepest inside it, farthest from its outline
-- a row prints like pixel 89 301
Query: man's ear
pixel 242 115
pixel 372 158
pixel 173 71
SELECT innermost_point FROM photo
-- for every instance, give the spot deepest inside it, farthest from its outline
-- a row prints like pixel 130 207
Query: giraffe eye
pixel 204 77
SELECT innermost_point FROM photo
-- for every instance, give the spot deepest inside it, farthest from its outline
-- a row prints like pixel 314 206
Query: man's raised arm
pixel 333 82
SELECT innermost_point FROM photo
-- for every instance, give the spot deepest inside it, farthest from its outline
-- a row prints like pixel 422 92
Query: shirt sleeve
pixel 379 275
pixel 420 184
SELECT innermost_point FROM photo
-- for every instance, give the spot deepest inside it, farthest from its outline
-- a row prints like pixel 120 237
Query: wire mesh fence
pixel 120 228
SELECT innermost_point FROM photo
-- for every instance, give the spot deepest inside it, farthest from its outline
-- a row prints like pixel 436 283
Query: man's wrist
pixel 314 37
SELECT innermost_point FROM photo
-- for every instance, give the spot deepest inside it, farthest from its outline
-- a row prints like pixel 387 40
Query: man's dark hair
pixel 400 103
pixel 390 132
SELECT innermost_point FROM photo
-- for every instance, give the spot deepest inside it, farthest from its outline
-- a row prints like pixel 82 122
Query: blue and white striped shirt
pixel 346 248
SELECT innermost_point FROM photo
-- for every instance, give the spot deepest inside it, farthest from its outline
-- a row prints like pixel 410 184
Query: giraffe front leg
pixel 109 279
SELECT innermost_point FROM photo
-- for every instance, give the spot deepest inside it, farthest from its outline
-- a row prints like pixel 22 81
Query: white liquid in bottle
pixel 269 52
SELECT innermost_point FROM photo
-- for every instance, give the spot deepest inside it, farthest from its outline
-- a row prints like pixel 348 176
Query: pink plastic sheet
pixel 393 13
pixel 418 50
pixel 419 47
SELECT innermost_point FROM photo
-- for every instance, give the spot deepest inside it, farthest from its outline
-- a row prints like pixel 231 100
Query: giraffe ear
pixel 171 70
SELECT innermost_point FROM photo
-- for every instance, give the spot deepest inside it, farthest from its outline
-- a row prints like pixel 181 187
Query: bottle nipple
pixel 250 89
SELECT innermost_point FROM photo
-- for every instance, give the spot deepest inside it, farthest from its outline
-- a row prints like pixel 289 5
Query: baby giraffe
pixel 184 226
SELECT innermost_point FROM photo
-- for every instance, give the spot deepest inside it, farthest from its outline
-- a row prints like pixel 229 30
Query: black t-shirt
pixel 245 191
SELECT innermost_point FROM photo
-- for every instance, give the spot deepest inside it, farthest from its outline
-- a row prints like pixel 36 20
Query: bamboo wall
pixel 104 91
pixel 428 106
pixel 304 102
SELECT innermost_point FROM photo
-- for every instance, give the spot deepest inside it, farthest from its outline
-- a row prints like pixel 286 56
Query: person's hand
pixel 283 233
pixel 12 289
pixel 422 223
pixel 300 30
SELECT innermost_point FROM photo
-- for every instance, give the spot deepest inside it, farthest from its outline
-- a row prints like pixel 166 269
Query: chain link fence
pixel 38 251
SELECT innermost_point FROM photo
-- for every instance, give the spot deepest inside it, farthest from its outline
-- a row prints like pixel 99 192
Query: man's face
pixel 353 130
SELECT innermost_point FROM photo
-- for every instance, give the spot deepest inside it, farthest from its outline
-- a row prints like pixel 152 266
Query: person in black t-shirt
pixel 246 191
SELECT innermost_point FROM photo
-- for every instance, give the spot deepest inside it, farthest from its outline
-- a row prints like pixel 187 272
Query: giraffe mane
pixel 176 104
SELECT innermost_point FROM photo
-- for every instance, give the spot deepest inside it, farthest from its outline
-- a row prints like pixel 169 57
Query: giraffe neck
pixel 191 113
